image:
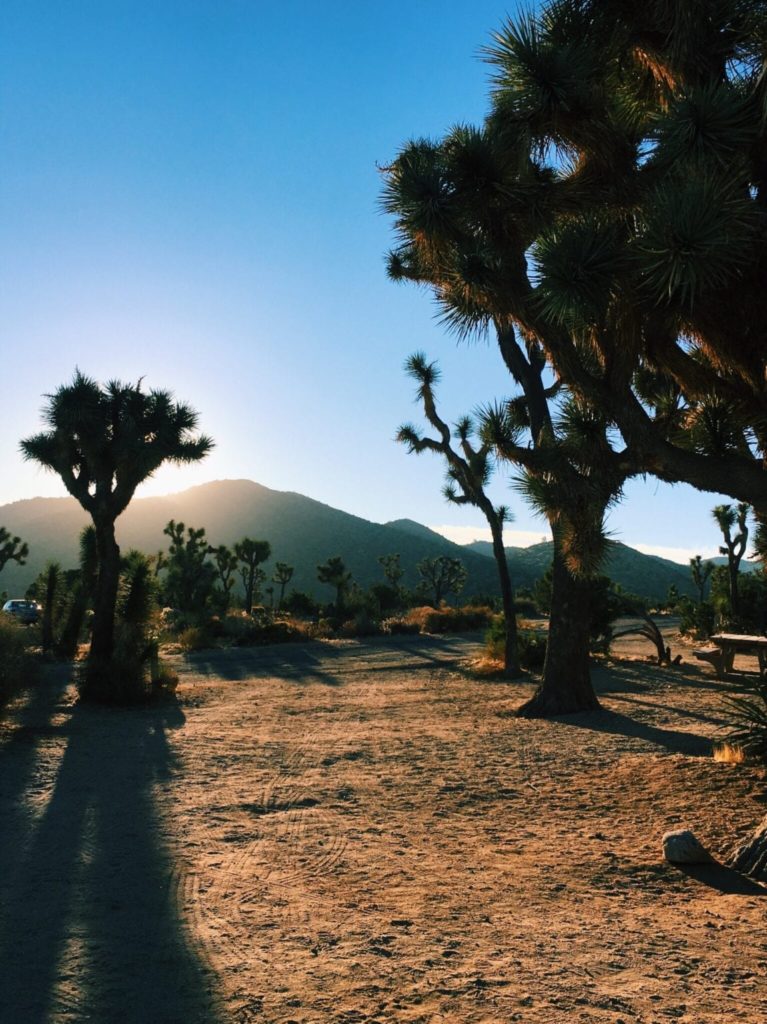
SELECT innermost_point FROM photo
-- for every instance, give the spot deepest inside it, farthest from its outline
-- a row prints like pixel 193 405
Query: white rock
pixel 681 847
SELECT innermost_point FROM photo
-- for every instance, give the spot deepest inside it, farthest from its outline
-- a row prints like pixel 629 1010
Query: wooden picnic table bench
pixel 724 646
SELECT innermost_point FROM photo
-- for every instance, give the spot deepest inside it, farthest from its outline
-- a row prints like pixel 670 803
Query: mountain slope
pixel 647 575
pixel 301 531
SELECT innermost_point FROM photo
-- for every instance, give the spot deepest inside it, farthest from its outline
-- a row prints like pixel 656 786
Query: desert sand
pixel 361 832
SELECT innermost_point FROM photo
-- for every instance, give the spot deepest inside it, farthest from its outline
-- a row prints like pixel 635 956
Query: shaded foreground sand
pixel 350 833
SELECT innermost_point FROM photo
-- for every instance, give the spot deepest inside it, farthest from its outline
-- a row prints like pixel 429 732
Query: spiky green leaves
pixel 104 441
pixel 713 123
pixel 578 263
pixel 695 236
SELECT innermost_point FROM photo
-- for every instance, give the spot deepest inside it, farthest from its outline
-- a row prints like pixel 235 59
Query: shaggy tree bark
pixel 566 685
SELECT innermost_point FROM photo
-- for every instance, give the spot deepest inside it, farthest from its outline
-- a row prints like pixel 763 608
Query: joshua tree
pixel 283 574
pixel 103 441
pixel 393 571
pixel 635 266
pixel 441 576
pixel 82 593
pixel 52 577
pixel 251 553
pixel 190 577
pixel 226 562
pixel 335 573
pixel 12 549
pixel 468 473
pixel 732 518
pixel 701 572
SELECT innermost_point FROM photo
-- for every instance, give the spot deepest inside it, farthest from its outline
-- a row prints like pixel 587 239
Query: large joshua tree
pixel 617 196
pixel 607 219
pixel 103 441
pixel 469 467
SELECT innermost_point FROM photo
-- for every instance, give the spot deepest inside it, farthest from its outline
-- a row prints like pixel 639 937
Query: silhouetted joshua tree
pixel 729 518
pixel 12 549
pixel 103 441
pixel 441 576
pixel 335 573
pixel 251 553
pixel 283 574
pixel 226 563
pixel 468 472
pixel 701 573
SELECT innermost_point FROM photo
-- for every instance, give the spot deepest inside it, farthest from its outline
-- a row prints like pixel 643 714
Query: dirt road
pixel 361 832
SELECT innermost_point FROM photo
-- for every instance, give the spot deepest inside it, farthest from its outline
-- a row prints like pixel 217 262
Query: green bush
pixel 17 666
pixel 532 649
pixel 195 638
pixel 696 618
pixel 531 645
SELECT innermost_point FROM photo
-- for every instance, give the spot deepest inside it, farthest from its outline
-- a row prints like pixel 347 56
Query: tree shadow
pixel 721 723
pixel 723 879
pixel 90 924
pixel 675 741
pixel 324 663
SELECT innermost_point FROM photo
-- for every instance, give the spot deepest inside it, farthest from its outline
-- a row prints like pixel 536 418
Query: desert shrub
pixel 195 638
pixel 279 632
pixel 451 620
pixel 300 603
pixel 531 645
pixel 324 629
pixel 386 598
pixel 362 624
pixel 17 666
pixel 696 618
pixel 749 715
pixel 400 625
pixel 163 679
pixel 526 606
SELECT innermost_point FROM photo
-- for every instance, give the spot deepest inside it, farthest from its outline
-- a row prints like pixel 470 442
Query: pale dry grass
pixel 729 753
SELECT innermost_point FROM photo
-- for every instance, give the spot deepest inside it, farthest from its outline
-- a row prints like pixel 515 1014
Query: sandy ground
pixel 361 833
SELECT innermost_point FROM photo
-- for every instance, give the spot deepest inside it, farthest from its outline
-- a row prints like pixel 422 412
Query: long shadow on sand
pixel 89 925
pixel 325 663
pixel 675 741
pixel 723 879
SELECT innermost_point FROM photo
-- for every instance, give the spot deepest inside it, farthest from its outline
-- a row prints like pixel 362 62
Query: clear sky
pixel 189 193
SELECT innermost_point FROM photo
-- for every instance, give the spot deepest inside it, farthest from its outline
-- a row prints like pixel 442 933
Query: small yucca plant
pixel 749 714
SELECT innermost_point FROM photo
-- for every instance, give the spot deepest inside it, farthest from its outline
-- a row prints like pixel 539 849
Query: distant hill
pixel 646 575
pixel 301 531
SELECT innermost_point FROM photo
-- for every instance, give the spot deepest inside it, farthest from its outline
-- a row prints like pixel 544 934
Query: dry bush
pixel 729 753
pixel 450 620
pixel 195 638
pixel 361 625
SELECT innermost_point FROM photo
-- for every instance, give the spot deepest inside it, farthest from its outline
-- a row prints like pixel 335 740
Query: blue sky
pixel 189 193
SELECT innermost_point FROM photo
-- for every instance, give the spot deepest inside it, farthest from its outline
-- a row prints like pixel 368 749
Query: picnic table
pixel 724 646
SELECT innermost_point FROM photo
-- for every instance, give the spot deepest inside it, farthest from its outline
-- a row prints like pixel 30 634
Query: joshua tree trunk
pixel 510 656
pixel 566 685
pixel 51 592
pixel 105 598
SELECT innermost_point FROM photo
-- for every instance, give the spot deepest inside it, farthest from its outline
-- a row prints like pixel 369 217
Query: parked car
pixel 24 611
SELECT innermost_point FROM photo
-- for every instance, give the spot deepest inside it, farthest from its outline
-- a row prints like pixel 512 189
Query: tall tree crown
pixel 103 441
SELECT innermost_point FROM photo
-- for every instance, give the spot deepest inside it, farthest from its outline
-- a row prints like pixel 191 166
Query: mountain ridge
pixel 302 532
